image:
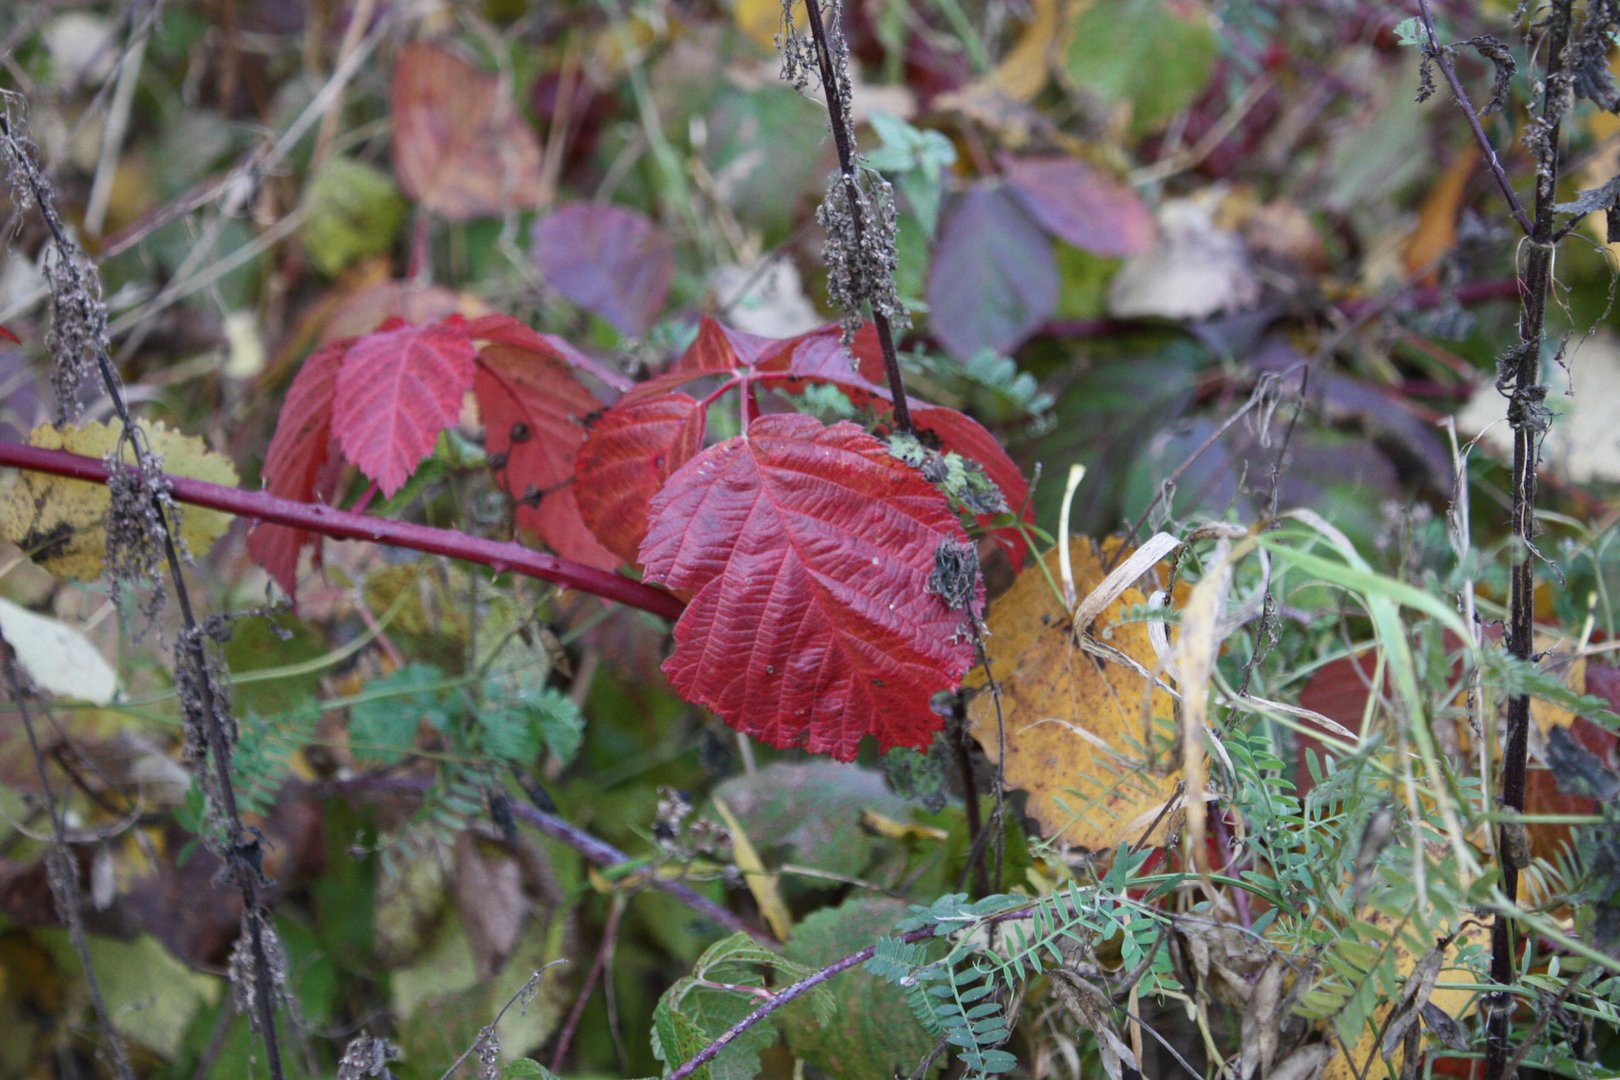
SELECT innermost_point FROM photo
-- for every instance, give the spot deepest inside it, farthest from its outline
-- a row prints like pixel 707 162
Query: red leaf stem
pixel 338 524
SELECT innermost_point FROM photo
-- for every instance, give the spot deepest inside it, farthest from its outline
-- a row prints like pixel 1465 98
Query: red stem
pixel 338 524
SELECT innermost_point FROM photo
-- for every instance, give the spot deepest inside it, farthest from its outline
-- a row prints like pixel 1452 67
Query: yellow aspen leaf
pixel 1076 725
pixel 61 523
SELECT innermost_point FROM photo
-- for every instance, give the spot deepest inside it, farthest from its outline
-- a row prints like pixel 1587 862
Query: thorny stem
pixel 217 740
pixel 1441 58
pixel 62 872
pixel 346 525
pixel 844 140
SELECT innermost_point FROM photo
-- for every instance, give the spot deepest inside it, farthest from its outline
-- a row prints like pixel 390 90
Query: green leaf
pixel 1145 54
pixel 874 1032
pixel 350 211
pixel 382 727
pixel 1410 31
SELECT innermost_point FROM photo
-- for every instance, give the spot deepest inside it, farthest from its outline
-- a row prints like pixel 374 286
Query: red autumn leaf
pixel 397 389
pixel 611 261
pixel 1081 205
pixel 807 553
pixel 534 410
pixel 820 356
pixel 299 462
pixel 626 457
pixel 505 330
pixel 461 147
pixel 7 335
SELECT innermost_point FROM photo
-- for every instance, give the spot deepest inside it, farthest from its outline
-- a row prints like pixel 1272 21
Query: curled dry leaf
pixel 61 523
pixel 1089 739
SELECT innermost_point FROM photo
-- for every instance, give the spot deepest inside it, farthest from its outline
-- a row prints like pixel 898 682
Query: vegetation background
pixel 1235 258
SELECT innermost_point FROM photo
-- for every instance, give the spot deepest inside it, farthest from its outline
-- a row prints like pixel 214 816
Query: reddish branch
pixel 338 524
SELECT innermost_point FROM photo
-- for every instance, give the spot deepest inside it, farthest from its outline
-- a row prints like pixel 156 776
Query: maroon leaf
pixel 396 390
pixel 298 463
pixel 807 553
pixel 534 410
pixel 505 330
pixel 626 457
pixel 994 278
pixel 611 261
pixel 1081 205
pixel 461 147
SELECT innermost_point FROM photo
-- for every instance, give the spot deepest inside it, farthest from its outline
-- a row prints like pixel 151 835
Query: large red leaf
pixel 807 553
pixel 626 457
pixel 298 463
pixel 611 261
pixel 1081 205
pixel 820 356
pixel 534 411
pixel 461 147
pixel 397 390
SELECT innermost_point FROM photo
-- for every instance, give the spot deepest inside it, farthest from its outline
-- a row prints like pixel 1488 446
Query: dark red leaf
pixel 397 390
pixel 611 261
pixel 994 277
pixel 626 457
pixel 298 463
pixel 534 410
pixel 821 357
pixel 807 552
pixel 1081 205
pixel 505 330
pixel 7 335
pixel 461 147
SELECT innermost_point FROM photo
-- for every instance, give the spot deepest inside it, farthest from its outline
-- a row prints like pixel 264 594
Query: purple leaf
pixel 994 277
pixel 611 261
pixel 1081 205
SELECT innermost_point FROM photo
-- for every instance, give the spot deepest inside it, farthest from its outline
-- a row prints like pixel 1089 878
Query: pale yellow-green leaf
pixel 61 523
pixel 59 659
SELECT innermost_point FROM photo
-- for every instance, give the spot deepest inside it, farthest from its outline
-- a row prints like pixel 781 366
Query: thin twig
pixel 62 872
pixel 238 841
pixel 1439 55
pixel 610 933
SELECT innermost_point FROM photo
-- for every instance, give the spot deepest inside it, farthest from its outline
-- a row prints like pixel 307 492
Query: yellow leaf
pixel 763 884
pixel 61 523
pixel 1364 1061
pixel 761 20
pixel 1075 723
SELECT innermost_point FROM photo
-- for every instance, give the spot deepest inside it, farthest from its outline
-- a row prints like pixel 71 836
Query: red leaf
pixel 626 457
pixel 7 335
pixel 820 357
pixel 1081 205
pixel 533 410
pixel 297 465
pixel 994 277
pixel 807 551
pixel 397 389
pixel 461 147
pixel 505 330
pixel 611 261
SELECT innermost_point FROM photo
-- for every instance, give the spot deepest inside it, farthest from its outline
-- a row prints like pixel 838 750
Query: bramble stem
pixel 330 521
